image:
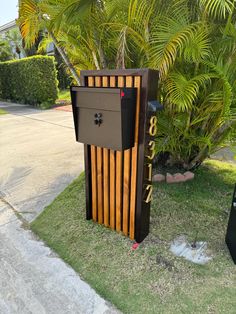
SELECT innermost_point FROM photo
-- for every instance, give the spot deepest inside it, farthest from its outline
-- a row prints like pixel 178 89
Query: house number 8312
pixel 151 148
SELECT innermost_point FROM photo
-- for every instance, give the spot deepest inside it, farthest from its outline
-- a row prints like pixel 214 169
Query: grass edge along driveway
pixel 150 279
pixel 2 111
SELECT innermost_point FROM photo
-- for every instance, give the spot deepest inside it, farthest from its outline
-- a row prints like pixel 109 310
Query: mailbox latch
pixel 98 119
pixel 154 106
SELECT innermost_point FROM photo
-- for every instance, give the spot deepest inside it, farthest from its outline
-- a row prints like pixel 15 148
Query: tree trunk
pixel 102 58
pixel 95 60
pixel 100 52
pixel 65 58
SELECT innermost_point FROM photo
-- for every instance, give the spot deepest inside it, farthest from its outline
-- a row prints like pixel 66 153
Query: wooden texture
pixel 105 172
pixel 99 152
pixel 93 169
pixel 137 84
pixel 114 173
pixel 119 170
pixel 126 181
pixel 112 176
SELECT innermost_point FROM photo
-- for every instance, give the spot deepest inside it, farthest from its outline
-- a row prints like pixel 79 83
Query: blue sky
pixel 8 11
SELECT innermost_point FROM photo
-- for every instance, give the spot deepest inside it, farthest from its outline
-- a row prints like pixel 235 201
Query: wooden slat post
pixel 99 170
pixel 91 83
pixel 119 172
pixel 137 84
pixel 116 181
pixel 127 179
pixel 105 172
pixel 112 176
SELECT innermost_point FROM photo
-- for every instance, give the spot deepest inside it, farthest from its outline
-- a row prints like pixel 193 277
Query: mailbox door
pixel 107 134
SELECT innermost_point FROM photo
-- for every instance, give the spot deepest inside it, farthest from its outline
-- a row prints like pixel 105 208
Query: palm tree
pixel 14 38
pixel 191 43
pixel 32 19
pixel 5 50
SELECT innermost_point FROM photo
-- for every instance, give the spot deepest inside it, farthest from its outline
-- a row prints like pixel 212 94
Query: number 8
pixel 153 126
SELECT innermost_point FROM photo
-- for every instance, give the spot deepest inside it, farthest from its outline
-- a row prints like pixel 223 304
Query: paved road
pixel 38 159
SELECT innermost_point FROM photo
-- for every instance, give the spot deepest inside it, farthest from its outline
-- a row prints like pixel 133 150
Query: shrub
pixel 30 80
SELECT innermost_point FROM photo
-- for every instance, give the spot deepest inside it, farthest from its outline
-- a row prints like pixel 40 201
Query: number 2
pixel 149 188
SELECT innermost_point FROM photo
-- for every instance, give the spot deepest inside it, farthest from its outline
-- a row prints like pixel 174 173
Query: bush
pixel 30 80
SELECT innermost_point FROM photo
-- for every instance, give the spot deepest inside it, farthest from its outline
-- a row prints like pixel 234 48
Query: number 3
pixel 151 144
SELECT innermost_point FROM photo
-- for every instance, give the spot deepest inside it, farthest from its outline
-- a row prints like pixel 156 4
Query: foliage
pixel 62 71
pixel 191 43
pixel 33 21
pixel 150 279
pixel 30 80
pixel 11 45
pixel 64 94
pixel 5 50
pixel 13 36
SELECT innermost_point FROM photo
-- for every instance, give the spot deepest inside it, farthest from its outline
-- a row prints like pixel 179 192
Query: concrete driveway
pixel 39 157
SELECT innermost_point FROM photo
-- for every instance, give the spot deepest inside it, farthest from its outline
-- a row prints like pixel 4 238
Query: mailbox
pixel 104 117
pixel 231 230
pixel 115 117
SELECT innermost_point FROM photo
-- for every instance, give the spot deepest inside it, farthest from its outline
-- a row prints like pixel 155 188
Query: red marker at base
pixel 135 246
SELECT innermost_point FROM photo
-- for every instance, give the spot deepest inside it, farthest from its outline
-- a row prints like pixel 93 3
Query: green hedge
pixel 30 80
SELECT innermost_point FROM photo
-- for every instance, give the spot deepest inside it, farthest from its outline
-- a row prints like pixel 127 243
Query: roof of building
pixel 6 27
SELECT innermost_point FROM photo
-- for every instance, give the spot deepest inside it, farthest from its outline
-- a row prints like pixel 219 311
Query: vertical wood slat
pixel 112 180
pixel 94 168
pixel 137 84
pixel 126 180
pixel 119 169
pixel 112 176
pixel 99 171
pixel 105 173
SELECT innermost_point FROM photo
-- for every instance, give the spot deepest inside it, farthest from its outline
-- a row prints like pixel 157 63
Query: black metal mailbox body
pixel 230 238
pixel 104 117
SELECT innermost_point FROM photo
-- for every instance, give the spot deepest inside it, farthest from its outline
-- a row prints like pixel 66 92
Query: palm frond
pixel 44 44
pixel 217 8
pixel 223 84
pixel 198 47
pixel 30 21
pixel 168 38
pixel 182 92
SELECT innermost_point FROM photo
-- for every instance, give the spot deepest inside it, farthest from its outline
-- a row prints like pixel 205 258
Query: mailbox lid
pixel 103 98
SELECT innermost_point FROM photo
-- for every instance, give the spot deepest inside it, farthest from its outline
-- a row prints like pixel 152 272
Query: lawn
pixel 64 95
pixel 151 279
pixel 2 111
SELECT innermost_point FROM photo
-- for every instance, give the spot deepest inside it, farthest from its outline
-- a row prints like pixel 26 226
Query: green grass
pixel 151 279
pixel 2 111
pixel 64 95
